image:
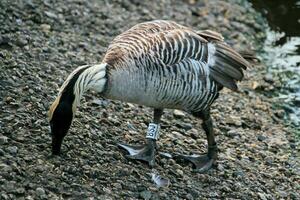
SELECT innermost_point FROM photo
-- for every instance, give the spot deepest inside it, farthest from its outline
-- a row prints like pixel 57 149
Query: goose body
pixel 162 64
pixel 159 64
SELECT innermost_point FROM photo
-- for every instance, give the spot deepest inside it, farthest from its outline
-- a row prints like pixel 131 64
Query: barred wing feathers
pixel 165 44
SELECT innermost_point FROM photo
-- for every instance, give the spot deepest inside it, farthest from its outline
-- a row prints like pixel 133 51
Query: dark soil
pixel 41 42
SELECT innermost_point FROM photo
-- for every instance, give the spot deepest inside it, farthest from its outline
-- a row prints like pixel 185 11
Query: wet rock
pixel 262 196
pixel 3 140
pixel 12 149
pixel 40 191
pixel 4 196
pixel 146 194
pixel 45 27
pixel 19 191
pixel 233 120
pixel 185 126
pixel 269 78
pixel 178 113
pixel 5 168
pixel 238 174
pixel 2 152
pixel 189 196
pixel 269 160
pixel 50 14
pixel 279 113
pixel 261 138
pixel 21 42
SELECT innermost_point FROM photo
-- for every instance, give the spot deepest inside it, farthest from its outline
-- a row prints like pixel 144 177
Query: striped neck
pixel 93 77
pixel 79 81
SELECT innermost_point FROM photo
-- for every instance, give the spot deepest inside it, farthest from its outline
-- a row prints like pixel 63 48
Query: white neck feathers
pixel 91 78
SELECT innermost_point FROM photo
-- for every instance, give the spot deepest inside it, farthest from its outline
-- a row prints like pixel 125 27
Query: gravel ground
pixel 42 41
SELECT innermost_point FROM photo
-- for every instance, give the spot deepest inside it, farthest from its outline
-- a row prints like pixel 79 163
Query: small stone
pixel 283 194
pixel 12 149
pixel 3 140
pixel 31 91
pixel 296 101
pixel 269 78
pixel 5 168
pixel 29 198
pixel 279 113
pixel 294 195
pixel 50 15
pixel 40 191
pixel 2 152
pixel 261 138
pixel 21 42
pixel 269 160
pixel 179 172
pixel 233 120
pixel 4 196
pixel 20 191
pixel 146 194
pixel 178 113
pixel 186 126
pixel 238 174
pixel 189 197
pixel 262 196
pixel 232 133
pixel 45 28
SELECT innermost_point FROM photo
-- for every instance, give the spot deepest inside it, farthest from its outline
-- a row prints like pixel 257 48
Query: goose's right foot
pixel 144 153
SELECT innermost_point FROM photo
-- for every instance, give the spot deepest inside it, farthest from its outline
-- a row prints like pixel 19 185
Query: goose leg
pixel 147 151
pixel 203 163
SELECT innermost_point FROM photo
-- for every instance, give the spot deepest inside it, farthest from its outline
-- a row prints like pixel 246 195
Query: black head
pixel 62 110
pixel 60 123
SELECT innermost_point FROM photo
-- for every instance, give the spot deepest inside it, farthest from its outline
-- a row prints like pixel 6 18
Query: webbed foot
pixel 201 163
pixel 143 153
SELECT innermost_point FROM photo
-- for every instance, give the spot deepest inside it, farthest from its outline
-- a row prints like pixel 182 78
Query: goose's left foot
pixel 144 153
pixel 201 163
pixel 204 162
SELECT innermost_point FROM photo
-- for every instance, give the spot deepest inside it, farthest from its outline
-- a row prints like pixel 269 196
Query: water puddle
pixel 282 52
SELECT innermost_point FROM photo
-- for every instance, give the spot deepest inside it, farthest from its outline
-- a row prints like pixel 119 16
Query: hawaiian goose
pixel 159 64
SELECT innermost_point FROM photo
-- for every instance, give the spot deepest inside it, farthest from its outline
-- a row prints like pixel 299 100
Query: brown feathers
pixel 165 43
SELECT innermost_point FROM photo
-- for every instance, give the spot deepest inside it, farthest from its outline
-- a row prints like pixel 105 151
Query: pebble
pixel 12 149
pixel 21 42
pixel 261 138
pixel 45 28
pixel 189 197
pixel 186 126
pixel 51 15
pixel 4 196
pixel 238 174
pixel 178 113
pixel 2 152
pixel 40 191
pixel 269 160
pixel 20 191
pixel 233 120
pixel 146 194
pixel 3 140
pixel 179 172
pixel 269 78
pixel 262 196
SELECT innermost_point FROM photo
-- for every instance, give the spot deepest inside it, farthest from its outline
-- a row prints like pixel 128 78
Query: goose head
pixel 60 118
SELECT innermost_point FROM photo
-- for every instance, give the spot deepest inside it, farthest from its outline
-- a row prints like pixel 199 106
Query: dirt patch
pixel 41 42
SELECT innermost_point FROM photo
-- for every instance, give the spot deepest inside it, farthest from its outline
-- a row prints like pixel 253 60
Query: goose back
pixel 162 64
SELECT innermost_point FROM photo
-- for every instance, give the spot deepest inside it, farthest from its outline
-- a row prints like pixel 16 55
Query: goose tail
pixel 226 65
